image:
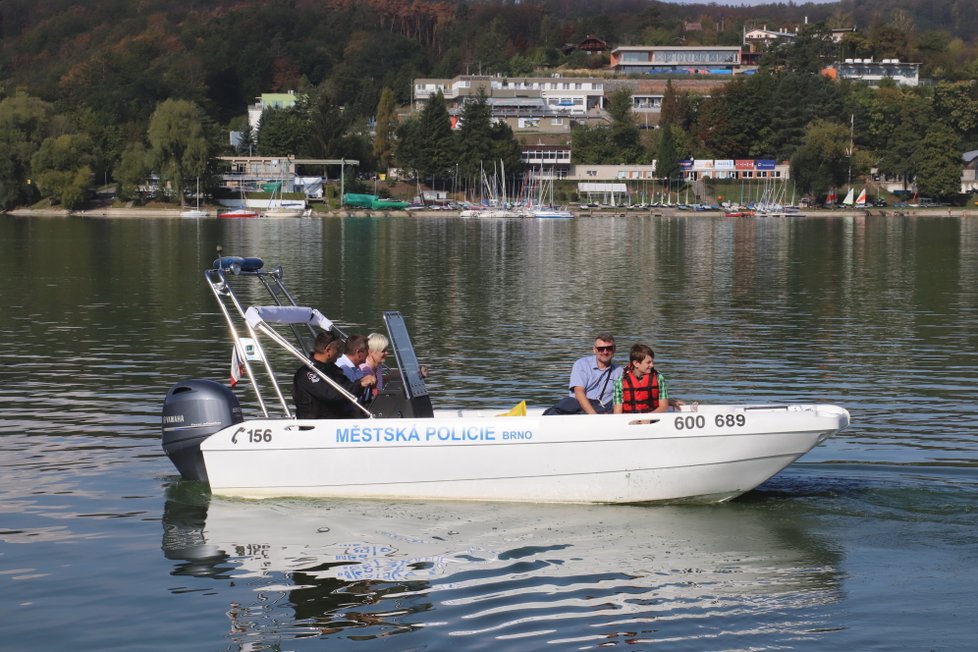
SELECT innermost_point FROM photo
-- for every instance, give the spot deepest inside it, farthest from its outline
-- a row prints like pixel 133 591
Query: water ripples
pixel 513 576
pixel 876 315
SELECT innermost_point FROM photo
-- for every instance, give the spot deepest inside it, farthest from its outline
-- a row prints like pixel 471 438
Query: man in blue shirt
pixel 356 354
pixel 593 377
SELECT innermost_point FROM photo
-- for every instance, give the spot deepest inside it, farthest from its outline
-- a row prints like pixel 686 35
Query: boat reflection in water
pixel 740 573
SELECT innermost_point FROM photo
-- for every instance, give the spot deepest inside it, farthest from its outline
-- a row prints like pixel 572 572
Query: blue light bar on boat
pixel 238 264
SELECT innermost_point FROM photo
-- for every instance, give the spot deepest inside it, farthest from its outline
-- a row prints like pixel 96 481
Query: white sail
pixel 848 201
pixel 861 200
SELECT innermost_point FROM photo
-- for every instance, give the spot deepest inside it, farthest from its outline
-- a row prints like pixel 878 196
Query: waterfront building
pixel 763 38
pixel 676 60
pixel 873 72
pixel 555 95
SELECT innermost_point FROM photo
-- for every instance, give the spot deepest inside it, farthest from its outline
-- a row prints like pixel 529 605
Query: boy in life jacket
pixel 641 388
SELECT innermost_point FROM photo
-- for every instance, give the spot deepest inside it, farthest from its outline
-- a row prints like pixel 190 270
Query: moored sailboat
pixel 194 212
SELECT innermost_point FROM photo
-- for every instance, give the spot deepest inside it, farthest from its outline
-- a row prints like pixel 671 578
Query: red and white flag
pixel 238 370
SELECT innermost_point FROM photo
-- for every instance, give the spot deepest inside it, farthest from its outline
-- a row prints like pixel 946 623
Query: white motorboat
pixel 494 212
pixel 404 448
pixel 551 213
pixel 287 212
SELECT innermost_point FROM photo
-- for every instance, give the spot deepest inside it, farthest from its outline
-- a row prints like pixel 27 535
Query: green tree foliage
pixel 328 124
pixel 671 112
pixel 371 62
pixel 811 50
pixel 956 105
pixel 619 142
pixel 939 163
pixel 24 124
pixel 905 118
pixel 822 161
pixel 133 169
pixel 108 141
pixel 624 135
pixel 476 148
pixel 385 130
pixel 667 156
pixel 765 115
pixel 178 142
pixel 409 147
pixel 427 145
pixel 507 148
pixel 436 126
pixel 895 38
pixel 798 100
pixel 283 131
pixel 735 121
pixel 107 66
pixel 62 169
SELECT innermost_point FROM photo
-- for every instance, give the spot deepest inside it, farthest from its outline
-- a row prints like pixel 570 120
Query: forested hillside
pixel 91 75
pixel 122 57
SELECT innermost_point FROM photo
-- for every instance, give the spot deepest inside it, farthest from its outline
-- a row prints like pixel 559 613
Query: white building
pixel 670 59
pixel 765 37
pixel 873 72
pixel 556 95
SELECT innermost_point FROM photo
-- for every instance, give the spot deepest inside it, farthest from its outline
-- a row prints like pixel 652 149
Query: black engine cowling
pixel 192 411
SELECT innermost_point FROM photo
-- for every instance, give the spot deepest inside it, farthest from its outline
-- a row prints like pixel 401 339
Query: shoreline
pixel 953 211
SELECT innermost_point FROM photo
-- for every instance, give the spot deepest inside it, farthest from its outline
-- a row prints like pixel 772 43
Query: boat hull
pixel 237 214
pixel 284 212
pixel 711 455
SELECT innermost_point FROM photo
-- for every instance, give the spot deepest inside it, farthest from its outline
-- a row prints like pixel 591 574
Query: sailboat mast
pixel 852 124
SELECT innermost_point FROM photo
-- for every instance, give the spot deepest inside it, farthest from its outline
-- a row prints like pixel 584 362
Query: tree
pixel 801 99
pixel 475 138
pixel 957 106
pixel 178 143
pixel 610 144
pixel 903 135
pixel 506 148
pixel 736 121
pixel 385 129
pixel 624 136
pixel 133 169
pixel 24 124
pixel 822 162
pixel 669 113
pixel 939 163
pixel 592 145
pixel 283 131
pixel 409 146
pixel 327 125
pixel 808 52
pixel 895 39
pixel 667 157
pixel 62 168
pixel 426 143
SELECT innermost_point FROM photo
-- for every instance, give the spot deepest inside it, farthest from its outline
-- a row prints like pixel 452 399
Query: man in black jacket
pixel 317 399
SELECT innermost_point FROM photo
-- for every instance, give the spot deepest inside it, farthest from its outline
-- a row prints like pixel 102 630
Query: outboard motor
pixel 193 411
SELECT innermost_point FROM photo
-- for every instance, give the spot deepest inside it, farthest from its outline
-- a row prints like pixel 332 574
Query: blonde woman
pixel 374 364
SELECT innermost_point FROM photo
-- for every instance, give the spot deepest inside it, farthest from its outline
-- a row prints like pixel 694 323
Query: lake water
pixel 868 542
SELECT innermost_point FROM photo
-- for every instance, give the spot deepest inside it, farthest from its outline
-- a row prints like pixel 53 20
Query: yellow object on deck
pixel 518 410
